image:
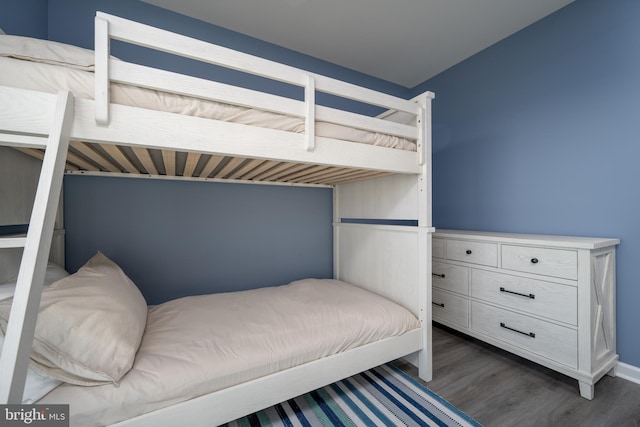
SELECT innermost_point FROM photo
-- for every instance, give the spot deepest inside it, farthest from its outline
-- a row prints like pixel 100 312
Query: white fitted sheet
pixel 45 77
pixel 197 345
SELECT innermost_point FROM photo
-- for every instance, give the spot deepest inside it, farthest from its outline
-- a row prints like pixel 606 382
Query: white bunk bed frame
pixel 390 260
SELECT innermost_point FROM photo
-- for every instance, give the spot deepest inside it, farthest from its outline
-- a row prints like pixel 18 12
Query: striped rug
pixel 383 396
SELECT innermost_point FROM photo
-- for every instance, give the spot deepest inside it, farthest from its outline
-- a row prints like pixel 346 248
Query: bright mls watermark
pixel 34 415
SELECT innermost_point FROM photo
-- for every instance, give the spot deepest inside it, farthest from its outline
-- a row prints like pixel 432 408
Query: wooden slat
pixel 292 169
pixel 169 159
pixel 251 165
pixel 212 163
pixel 71 167
pixel 94 156
pixel 260 169
pixel 230 166
pixel 285 173
pixel 79 161
pixel 310 170
pixel 272 174
pixel 144 156
pixel 191 163
pixel 38 154
pixel 119 157
pixel 337 173
pixel 320 175
pixel 278 168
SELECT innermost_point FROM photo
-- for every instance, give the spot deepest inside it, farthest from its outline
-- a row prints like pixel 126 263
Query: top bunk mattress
pixel 47 66
pixel 197 345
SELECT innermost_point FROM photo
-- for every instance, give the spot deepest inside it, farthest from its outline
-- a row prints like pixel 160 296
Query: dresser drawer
pixel 437 248
pixel 546 299
pixel 473 252
pixel 449 308
pixel 450 277
pixel 552 341
pixel 548 262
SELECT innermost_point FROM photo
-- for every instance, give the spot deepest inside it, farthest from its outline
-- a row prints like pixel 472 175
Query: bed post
pixel 101 69
pixel 425 365
pixel 310 113
pixel 392 260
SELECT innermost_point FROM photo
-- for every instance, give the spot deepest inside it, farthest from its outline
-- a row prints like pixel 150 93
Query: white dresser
pixel 550 299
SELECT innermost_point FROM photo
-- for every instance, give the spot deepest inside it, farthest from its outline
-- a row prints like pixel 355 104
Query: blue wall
pixel 176 238
pixel 24 17
pixel 539 134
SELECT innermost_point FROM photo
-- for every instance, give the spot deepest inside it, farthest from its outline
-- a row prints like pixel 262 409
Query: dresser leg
pixel 586 390
pixel 613 372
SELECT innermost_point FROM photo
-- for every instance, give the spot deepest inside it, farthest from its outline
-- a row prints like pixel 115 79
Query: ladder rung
pixel 13 241
pixel 14 140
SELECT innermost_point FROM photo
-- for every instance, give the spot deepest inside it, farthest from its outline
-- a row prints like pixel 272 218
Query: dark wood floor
pixel 499 389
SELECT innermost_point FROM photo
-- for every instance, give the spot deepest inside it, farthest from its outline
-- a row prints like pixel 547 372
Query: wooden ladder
pixel 37 243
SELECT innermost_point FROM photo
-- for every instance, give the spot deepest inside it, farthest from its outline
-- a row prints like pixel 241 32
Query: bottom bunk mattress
pixel 197 345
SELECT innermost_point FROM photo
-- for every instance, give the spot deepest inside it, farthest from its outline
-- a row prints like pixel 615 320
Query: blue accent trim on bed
pixel 13 229
pixel 405 222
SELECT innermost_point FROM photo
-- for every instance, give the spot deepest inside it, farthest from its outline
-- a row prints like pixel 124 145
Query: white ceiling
pixel 401 41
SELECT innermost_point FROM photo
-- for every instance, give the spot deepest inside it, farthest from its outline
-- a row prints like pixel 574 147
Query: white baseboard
pixel 628 372
pixel 623 370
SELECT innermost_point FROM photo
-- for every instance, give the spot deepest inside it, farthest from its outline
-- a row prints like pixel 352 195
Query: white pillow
pixel 89 326
pixel 2 32
pixel 47 51
pixel 37 384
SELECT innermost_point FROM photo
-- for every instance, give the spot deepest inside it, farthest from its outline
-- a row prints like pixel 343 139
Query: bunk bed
pixel 97 118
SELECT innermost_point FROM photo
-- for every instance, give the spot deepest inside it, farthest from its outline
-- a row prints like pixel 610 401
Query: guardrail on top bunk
pixel 108 69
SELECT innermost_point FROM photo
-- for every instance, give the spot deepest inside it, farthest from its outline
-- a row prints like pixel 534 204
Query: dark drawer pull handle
pixel 439 275
pixel 534 260
pixel 529 334
pixel 532 296
pixel 439 304
pixel 469 252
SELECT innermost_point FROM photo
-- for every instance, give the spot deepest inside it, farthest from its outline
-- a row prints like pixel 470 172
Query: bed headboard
pixel 18 181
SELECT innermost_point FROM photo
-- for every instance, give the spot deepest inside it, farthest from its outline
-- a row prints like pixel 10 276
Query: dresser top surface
pixel 530 239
